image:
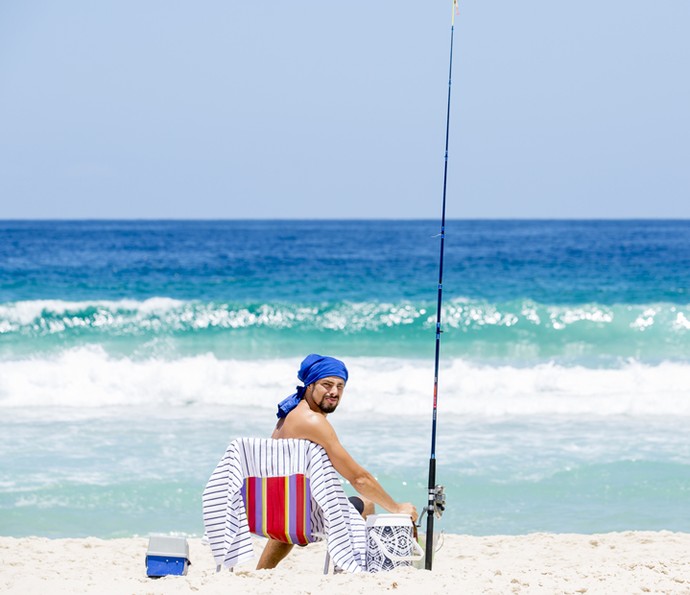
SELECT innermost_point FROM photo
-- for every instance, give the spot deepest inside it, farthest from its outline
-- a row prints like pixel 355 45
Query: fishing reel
pixel 437 504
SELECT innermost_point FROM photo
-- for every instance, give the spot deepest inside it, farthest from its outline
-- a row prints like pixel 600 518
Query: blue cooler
pixel 167 555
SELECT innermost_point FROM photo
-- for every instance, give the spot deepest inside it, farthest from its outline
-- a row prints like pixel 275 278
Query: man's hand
pixel 407 508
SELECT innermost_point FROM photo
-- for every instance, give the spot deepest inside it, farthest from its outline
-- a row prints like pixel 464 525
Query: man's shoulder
pixel 304 415
pixel 307 424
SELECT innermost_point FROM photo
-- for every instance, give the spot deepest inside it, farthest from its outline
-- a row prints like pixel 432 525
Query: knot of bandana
pixel 313 368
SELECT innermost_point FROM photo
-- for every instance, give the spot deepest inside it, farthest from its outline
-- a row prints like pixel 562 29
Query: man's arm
pixel 317 429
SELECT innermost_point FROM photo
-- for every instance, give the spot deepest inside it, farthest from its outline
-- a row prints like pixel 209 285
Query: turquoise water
pixel 132 352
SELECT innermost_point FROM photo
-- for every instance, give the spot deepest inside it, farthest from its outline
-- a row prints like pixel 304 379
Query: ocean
pixel 132 352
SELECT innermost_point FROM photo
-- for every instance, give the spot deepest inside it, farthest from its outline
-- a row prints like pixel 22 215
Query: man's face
pixel 327 392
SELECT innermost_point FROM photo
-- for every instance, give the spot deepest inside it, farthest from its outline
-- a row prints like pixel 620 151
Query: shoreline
pixel 624 562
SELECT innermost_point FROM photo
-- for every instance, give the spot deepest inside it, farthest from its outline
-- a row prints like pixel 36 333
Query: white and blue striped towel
pixel 225 519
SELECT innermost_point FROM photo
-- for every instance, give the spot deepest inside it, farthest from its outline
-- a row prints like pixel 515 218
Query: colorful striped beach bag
pixel 279 508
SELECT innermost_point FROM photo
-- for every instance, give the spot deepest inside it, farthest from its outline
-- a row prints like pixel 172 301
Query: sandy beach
pixel 630 562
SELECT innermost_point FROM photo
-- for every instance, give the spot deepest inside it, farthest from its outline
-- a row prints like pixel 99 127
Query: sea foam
pixel 521 331
pixel 89 378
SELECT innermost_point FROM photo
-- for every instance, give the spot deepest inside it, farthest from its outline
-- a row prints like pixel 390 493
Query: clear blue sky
pixel 230 109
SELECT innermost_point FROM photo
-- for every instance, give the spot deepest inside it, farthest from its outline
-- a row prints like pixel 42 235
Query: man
pixel 303 415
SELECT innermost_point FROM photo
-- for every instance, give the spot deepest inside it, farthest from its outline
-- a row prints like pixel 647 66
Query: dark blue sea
pixel 132 352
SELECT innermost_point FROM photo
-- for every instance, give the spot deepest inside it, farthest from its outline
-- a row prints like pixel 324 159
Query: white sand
pixel 632 562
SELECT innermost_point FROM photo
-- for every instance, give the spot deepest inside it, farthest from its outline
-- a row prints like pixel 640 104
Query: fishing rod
pixel 436 502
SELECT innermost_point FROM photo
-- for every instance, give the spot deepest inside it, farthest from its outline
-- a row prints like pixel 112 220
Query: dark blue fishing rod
pixel 436 501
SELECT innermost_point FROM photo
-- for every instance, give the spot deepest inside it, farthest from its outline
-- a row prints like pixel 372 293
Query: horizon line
pixel 326 219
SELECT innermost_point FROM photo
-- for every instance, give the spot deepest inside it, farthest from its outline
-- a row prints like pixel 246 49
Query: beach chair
pixel 286 490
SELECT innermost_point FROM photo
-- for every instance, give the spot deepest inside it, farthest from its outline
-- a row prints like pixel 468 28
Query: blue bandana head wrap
pixel 313 368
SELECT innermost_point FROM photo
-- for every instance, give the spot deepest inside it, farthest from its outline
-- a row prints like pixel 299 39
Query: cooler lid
pixel 172 547
pixel 389 520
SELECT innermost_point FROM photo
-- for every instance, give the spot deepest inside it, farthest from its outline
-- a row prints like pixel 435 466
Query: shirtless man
pixel 304 416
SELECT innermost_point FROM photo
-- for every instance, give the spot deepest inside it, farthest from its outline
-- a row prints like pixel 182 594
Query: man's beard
pixel 328 407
